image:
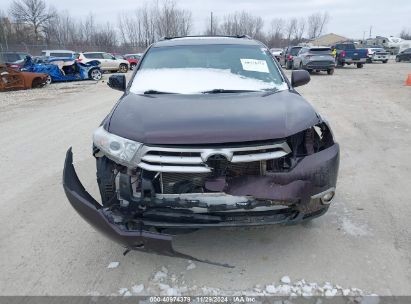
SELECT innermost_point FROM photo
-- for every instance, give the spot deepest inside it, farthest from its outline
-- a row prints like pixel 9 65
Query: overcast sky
pixel 350 18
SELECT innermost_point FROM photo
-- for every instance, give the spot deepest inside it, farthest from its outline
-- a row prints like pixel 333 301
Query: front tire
pixel 49 80
pixel 385 61
pixel 132 66
pixel 123 68
pixel 330 71
pixel 37 83
pixel 359 65
pixel 95 74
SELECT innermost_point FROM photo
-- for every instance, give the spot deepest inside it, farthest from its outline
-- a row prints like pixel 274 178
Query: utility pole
pixel 370 30
pixel 211 24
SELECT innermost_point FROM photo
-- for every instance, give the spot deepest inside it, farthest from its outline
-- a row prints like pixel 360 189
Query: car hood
pixel 210 118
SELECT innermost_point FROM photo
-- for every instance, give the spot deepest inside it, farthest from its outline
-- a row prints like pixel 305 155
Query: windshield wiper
pixel 156 92
pixel 270 92
pixel 217 91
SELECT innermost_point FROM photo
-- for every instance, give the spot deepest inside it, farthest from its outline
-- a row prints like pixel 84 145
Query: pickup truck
pixel 348 54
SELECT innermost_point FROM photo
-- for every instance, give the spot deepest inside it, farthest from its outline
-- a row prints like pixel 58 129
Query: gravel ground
pixel 361 246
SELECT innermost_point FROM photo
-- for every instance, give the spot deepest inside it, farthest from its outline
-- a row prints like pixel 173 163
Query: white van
pixel 58 53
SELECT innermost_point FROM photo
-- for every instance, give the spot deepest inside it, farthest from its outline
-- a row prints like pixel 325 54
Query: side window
pixel 107 56
pixel 61 55
pixel 93 56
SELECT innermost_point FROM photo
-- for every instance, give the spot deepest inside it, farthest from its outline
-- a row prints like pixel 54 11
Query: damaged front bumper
pixel 92 212
pixel 289 198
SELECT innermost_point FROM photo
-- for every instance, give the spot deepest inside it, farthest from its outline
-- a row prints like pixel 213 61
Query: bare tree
pixel 242 23
pixel 299 30
pixel 32 12
pixel 172 21
pixel 405 34
pixel 274 37
pixel 150 22
pixel 290 29
pixel 316 24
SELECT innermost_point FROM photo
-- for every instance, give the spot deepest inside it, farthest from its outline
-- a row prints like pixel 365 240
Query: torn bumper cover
pixel 92 212
pixel 299 192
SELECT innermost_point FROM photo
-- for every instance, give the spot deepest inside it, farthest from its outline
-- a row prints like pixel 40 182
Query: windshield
pixel 322 51
pixel 194 69
pixel 294 51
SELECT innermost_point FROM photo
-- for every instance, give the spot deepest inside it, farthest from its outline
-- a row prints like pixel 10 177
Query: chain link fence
pixel 35 49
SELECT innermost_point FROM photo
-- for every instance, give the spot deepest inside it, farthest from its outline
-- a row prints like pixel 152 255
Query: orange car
pixel 15 80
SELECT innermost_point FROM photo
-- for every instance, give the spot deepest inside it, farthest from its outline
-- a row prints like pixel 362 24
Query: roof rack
pixel 211 36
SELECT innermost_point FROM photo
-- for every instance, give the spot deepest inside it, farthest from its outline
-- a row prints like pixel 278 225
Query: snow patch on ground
pixel 138 288
pixel 113 265
pixel 354 229
pixel 165 283
pixel 191 265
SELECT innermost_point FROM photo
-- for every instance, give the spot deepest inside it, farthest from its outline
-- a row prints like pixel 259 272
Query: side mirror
pixel 298 78
pixel 117 82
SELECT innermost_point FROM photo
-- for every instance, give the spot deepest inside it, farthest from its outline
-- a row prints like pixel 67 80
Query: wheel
pixel 132 66
pixel 330 71
pixel 300 66
pixel 310 71
pixel 359 65
pixel 48 79
pixel 369 60
pixel 397 59
pixel 37 83
pixel 384 61
pixel 288 65
pixel 95 74
pixel 123 68
pixel 106 180
pixel 339 64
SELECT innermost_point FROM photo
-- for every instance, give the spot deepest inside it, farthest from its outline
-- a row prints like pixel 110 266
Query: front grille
pixel 194 182
pixel 184 159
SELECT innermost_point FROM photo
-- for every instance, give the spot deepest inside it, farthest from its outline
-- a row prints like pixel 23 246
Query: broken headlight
pixel 119 149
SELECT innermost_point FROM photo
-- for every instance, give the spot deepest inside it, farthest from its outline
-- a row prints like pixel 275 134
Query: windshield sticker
pixel 254 65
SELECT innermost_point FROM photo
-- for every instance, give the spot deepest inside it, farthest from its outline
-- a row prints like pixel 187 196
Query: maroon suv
pixel 216 137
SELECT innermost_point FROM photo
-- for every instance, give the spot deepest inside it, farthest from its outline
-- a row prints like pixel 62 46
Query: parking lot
pixel 363 242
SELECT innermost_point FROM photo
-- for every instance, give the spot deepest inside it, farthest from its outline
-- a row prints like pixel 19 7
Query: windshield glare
pixel 193 69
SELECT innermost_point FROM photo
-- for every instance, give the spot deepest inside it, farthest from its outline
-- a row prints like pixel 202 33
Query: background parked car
pixel 288 56
pixel 347 53
pixel 60 69
pixel 404 56
pixel 58 53
pixel 10 79
pixel 14 60
pixel 315 59
pixel 377 54
pixel 277 53
pixel 107 61
pixel 133 59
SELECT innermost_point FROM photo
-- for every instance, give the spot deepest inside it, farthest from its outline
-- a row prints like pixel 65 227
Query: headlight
pixel 118 149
